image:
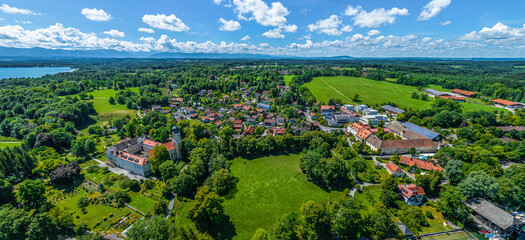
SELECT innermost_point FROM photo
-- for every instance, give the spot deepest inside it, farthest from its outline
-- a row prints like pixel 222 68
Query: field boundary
pixel 337 90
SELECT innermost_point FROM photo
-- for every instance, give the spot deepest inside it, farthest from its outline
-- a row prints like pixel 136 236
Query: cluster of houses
pixel 351 114
pixel 412 136
pixel 460 95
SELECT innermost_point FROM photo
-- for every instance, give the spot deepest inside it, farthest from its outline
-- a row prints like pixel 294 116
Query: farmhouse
pixel 393 169
pixel 464 93
pixel 402 146
pixel 133 154
pixel 509 104
pixel 457 99
pixel 412 194
pixel 495 218
pixel 327 110
pixel 392 110
pixel 419 164
pixel 434 93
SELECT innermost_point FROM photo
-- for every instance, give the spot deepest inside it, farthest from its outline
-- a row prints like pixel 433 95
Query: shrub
pixel 428 214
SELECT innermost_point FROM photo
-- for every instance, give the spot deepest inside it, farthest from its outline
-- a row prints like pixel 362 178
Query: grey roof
pixel 392 109
pixel 374 140
pixel 437 93
pixel 405 230
pixel 492 213
pixel 421 130
pixel 126 144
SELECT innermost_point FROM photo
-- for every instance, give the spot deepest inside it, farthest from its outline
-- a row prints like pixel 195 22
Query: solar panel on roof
pixel 421 130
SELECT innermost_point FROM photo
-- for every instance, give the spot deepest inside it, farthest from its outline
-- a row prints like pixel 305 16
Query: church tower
pixel 177 141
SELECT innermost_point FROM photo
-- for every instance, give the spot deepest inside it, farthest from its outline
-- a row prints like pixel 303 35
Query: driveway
pixel 323 128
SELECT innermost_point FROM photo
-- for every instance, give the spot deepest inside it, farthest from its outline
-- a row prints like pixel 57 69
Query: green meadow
pixel 269 187
pixel 101 100
pixel 373 92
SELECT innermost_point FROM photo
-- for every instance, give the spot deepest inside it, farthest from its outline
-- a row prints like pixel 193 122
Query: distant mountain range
pixel 43 53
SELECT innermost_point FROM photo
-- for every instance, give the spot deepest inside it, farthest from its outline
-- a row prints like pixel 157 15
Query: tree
pixel 161 207
pixel 159 154
pixel 286 226
pixel 42 227
pixel 316 221
pixel 31 194
pixel 355 97
pixel 413 218
pixel 208 210
pixel 65 174
pixel 260 234
pixel 6 192
pixel 156 228
pixel 168 170
pixel 82 202
pixel 222 182
pixel 479 184
pixel 454 171
pixel 217 162
pixel 111 100
pixel 346 220
pixel 451 203
pixel 412 151
pixel 424 97
pixel 379 223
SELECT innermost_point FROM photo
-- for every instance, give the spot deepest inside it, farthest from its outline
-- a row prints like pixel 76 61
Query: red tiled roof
pixel 327 107
pixel 392 167
pixel 419 164
pixel 453 98
pixel 169 145
pixel 411 190
pixel 504 102
pixel 463 92
pixel 151 143
pixel 250 130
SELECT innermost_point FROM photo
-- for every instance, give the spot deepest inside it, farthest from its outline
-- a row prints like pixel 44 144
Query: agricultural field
pixel 268 188
pixel 373 92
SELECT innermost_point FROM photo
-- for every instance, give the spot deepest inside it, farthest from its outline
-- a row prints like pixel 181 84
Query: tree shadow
pixel 70 187
pixel 225 230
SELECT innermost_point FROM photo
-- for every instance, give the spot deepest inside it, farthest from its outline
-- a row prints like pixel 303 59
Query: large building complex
pixel 133 154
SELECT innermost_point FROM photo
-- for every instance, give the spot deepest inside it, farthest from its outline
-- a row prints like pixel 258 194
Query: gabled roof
pixel 463 92
pixel 393 109
pixel 411 190
pixel 504 102
pixel 393 168
pixel 492 213
pixel 421 130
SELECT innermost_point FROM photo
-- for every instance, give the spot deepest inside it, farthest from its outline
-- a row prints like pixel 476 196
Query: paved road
pixel 323 128
pixel 119 171
pixel 138 113
pixel 170 205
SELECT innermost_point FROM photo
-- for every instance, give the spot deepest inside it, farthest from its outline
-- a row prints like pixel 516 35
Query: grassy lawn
pixel 373 92
pixel 268 188
pixel 101 100
pixel 436 224
pixel 453 236
pixel 366 199
pixel 141 203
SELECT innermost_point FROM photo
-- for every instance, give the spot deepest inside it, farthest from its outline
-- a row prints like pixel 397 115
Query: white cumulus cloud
pixel 273 33
pixel 13 10
pixel 146 30
pixel 115 33
pixel 329 26
pixel 217 1
pixel 498 34
pixel 161 21
pixel 445 23
pixel 378 17
pixel 373 32
pixel 229 25
pixel 94 14
pixel 259 11
pixel 352 11
pixel 245 38
pixel 432 9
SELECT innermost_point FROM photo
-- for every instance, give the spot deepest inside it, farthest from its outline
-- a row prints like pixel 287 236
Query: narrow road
pixel 170 205
pixel 138 113
pixel 10 142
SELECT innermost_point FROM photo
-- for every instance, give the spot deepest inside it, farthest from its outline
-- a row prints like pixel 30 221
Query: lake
pixel 32 72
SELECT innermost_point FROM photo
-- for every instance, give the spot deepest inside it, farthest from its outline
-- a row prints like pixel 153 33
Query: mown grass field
pixel 373 92
pixel 268 188
pixel 101 100
pixel 453 236
pixel 288 79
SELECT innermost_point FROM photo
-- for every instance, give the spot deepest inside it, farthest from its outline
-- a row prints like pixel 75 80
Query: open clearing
pixel 453 236
pixel 373 92
pixel 268 188
pixel 101 100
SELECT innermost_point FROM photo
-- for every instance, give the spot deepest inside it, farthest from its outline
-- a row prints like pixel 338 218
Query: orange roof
pixel 363 134
pixel 151 143
pixel 169 145
pixel 392 167
pixel 463 92
pixel 504 102
pixel 327 107
pixel 132 158
pixel 411 190
pixel 419 164
pixel 453 98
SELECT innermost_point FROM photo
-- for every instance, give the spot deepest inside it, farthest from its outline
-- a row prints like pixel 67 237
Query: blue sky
pixel 361 28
